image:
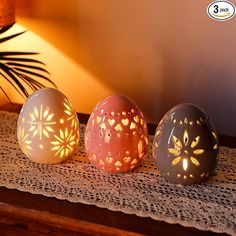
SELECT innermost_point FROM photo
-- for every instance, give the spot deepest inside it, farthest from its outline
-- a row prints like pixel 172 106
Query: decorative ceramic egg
pixel 116 136
pixel 48 127
pixel 185 147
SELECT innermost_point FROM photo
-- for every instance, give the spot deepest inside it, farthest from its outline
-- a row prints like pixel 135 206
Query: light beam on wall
pixel 69 76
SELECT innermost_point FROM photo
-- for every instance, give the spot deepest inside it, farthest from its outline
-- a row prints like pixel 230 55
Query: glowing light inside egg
pixel 41 122
pixel 185 147
pixel 47 128
pixel 179 148
pixel 185 164
pixel 116 135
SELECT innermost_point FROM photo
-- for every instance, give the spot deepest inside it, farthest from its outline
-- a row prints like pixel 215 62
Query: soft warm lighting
pixel 68 77
pixel 181 147
pixel 7 12
pixel 185 164
pixel 116 135
pixel 48 127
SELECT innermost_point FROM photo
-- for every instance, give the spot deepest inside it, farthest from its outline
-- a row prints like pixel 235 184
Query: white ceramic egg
pixel 48 127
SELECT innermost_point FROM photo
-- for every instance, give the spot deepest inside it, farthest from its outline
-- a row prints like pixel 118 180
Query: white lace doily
pixel 209 206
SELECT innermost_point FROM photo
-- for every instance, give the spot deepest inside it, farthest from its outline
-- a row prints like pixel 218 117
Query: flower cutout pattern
pixel 41 122
pixel 181 150
pixel 63 145
pixel 72 117
pixel 24 141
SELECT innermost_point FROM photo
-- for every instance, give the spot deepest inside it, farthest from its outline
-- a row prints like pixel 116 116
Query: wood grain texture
pixel 33 212
pixel 49 220
pixel 24 213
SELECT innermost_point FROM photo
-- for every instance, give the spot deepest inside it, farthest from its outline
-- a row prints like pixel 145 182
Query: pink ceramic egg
pixel 116 136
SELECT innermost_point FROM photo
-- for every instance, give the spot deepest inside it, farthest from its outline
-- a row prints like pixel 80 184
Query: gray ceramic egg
pixel 185 147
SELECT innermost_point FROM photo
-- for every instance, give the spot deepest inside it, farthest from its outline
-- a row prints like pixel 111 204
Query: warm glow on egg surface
pixel 116 136
pixel 48 127
pixel 185 146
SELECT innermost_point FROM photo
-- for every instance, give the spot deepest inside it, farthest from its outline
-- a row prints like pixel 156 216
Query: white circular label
pixel 221 10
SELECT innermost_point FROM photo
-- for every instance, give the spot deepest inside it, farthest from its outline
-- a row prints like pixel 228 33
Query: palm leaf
pixel 4 39
pixel 21 59
pixel 33 84
pixel 8 72
pixel 19 70
pixel 5 28
pixel 32 81
pixel 26 66
pixel 13 85
pixel 4 54
pixel 35 74
pixel 5 94
pixel 30 72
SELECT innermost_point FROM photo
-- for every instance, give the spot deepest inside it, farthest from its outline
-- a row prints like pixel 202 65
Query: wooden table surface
pixel 29 214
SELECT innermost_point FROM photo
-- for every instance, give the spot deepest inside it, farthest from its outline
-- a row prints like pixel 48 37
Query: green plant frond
pixel 4 39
